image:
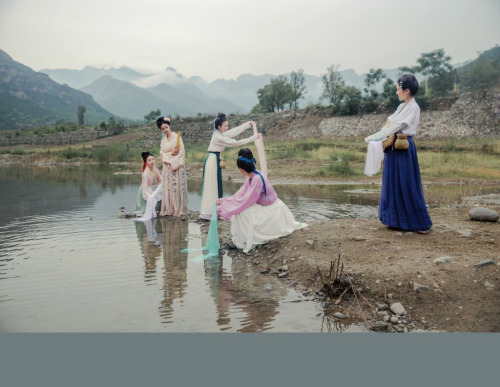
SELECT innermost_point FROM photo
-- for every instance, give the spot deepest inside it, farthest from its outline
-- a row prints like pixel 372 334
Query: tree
pixel 81 114
pixel 298 82
pixel 433 64
pixel 332 84
pixel 372 79
pixel 276 94
pixel 152 115
pixel 350 100
pixel 389 94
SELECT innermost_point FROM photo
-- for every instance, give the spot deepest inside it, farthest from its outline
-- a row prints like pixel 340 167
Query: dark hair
pixel 221 118
pixel 408 81
pixel 161 120
pixel 145 155
pixel 245 160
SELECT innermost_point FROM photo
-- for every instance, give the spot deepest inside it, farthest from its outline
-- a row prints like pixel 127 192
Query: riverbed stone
pixel 397 309
pixel 483 214
pixel 338 315
pixel 419 287
pixel 439 260
pixel 485 263
pixel 394 320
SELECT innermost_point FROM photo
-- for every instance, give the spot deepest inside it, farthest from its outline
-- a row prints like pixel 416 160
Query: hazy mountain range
pixel 122 90
pixel 30 98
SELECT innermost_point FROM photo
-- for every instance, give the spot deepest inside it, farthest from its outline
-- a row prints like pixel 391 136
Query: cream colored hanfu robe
pixel 174 196
pixel 212 173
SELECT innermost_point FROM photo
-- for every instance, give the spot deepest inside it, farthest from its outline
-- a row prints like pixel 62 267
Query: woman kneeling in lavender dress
pixel 257 215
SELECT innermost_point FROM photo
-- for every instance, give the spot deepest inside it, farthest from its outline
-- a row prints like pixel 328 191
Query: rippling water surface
pixel 69 264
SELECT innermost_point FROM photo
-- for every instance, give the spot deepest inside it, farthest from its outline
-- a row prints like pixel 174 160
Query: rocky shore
pixel 447 281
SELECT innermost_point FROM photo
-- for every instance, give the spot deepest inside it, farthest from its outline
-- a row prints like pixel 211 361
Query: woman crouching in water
pixel 256 213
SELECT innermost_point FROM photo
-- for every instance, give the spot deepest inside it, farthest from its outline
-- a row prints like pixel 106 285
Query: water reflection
pixel 150 243
pixel 61 241
pixel 174 238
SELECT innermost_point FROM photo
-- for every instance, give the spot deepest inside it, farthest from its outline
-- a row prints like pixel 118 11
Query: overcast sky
pixel 226 38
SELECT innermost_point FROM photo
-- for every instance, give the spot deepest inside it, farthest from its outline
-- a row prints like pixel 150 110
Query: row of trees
pixel 437 76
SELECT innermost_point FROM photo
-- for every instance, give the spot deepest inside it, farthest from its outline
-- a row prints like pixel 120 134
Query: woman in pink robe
pixel 257 215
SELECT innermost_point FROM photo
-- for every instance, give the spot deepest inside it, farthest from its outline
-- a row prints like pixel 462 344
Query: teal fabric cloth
pixel 213 245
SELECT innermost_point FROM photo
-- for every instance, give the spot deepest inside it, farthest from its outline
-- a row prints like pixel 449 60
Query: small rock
pixel 268 287
pixel 394 319
pixel 418 287
pixel 382 306
pixel 442 260
pixel 281 275
pixel 489 285
pixel 310 242
pixel 386 317
pixel 483 214
pixel 377 281
pixel 283 268
pixel 484 263
pixel 338 315
pixel 349 280
pixel 398 309
pixel 379 326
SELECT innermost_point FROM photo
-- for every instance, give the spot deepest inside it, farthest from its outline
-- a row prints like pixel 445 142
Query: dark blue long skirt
pixel 402 202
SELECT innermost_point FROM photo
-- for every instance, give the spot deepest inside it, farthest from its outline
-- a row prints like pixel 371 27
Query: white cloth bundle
pixel 150 211
pixel 374 158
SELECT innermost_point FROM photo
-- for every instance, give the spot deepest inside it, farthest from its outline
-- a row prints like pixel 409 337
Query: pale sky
pixel 227 38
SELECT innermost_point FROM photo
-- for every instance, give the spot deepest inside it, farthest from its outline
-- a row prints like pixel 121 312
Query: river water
pixel 68 263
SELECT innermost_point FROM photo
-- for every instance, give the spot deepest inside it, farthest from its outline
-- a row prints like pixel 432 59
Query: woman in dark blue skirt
pixel 402 204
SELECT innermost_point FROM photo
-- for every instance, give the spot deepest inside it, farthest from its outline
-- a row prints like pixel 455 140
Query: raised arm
pixel 238 130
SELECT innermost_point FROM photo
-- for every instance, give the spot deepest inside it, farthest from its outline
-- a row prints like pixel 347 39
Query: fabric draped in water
pixel 213 245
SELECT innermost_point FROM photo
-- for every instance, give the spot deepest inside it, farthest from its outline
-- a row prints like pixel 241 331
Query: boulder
pixel 483 214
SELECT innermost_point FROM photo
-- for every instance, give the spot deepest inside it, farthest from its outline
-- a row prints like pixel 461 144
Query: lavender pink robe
pixel 251 192
pixel 257 217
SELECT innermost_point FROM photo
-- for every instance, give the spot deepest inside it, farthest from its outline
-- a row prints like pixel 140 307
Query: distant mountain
pixel 80 78
pixel 203 98
pixel 481 73
pixel 127 100
pixel 29 98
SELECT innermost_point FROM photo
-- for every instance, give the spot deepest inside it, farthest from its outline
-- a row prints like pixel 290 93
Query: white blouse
pixel 220 140
pixel 410 116
pixel 402 120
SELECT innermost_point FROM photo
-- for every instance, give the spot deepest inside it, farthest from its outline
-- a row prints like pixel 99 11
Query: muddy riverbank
pixel 432 276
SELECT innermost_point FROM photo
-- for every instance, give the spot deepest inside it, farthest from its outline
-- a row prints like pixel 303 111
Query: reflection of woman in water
pixel 257 296
pixel 150 242
pixel 257 215
pixel 150 179
pixel 174 233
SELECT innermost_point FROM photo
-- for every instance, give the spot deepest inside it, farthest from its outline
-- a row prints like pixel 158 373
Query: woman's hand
pixel 175 151
pixel 252 123
pixel 217 202
pixel 259 136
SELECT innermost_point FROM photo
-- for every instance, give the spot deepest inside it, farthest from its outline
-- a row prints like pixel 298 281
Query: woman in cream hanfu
pixel 257 215
pixel 212 173
pixel 402 204
pixel 174 196
pixel 151 178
